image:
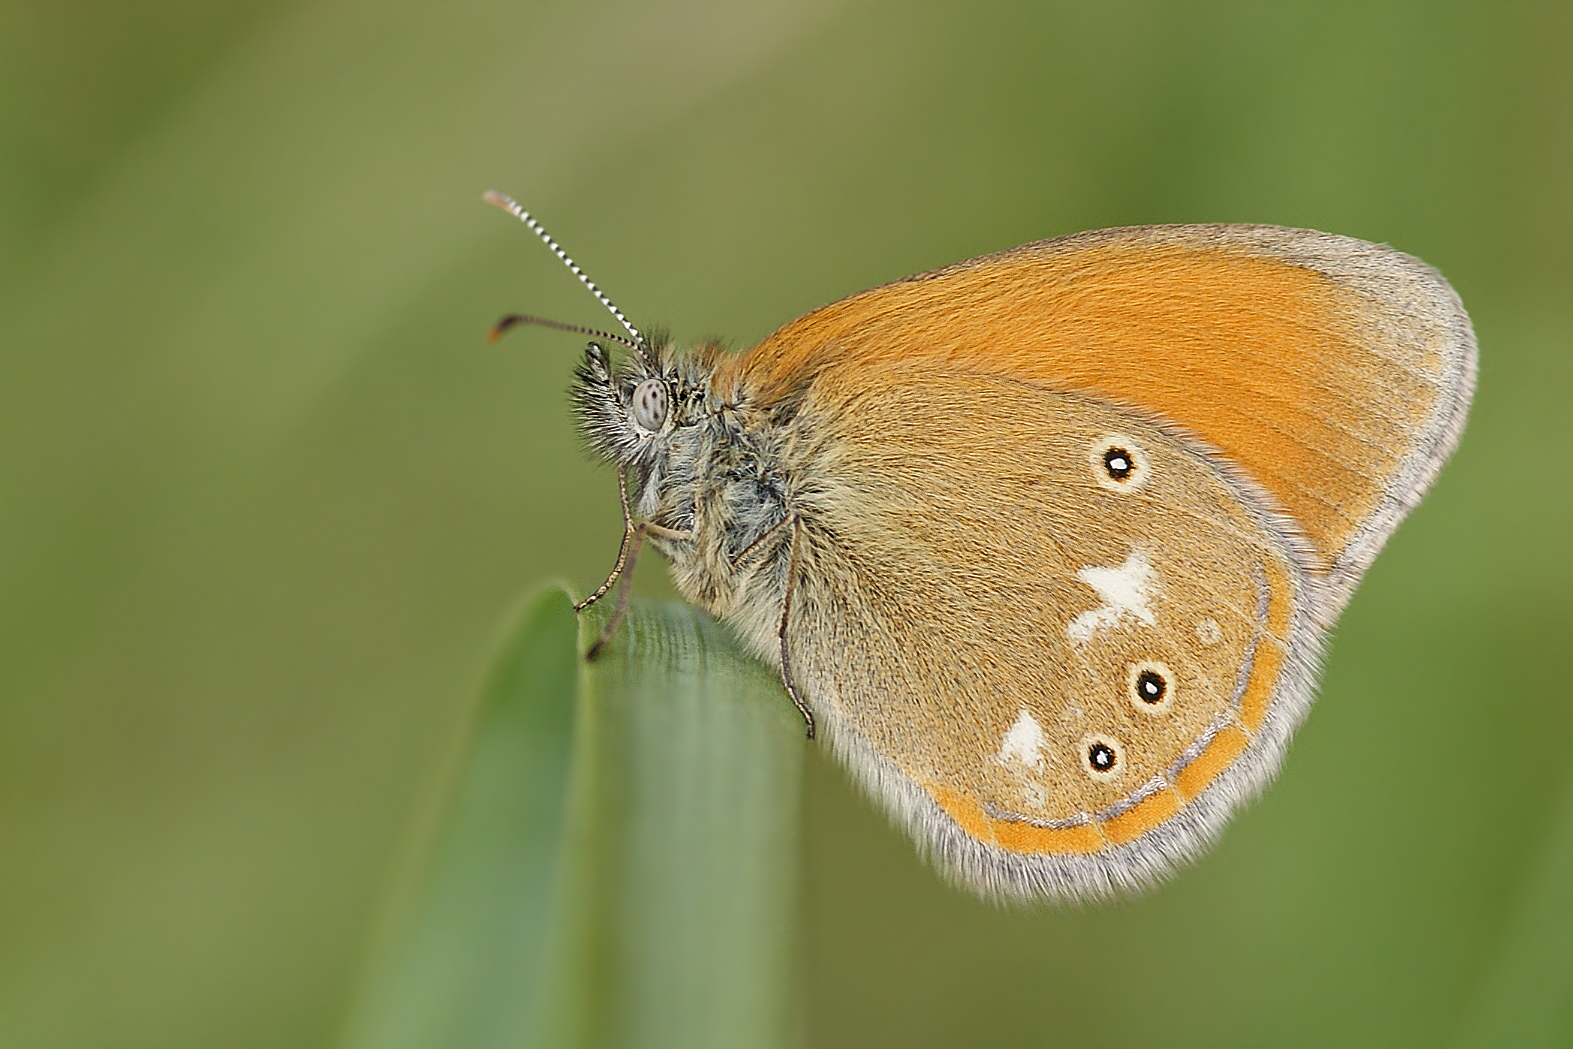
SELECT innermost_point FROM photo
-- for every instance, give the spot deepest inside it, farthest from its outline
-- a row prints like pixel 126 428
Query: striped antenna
pixel 512 207
pixel 514 319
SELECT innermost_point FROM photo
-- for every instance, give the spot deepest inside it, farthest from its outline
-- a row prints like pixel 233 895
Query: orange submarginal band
pixel 1141 817
pixel 1226 746
pixel 1017 835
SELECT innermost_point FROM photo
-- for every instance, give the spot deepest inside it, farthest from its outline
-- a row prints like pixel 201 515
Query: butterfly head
pixel 635 411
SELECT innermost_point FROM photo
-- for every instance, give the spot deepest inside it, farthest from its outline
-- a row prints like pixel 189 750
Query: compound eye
pixel 650 404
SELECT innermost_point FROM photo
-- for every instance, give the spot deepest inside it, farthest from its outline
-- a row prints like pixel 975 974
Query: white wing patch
pixel 1125 592
pixel 1023 743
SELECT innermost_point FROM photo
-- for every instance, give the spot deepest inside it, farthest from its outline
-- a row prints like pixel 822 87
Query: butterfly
pixel 1045 544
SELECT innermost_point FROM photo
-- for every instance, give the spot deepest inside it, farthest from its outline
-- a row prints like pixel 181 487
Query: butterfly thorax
pixel 710 467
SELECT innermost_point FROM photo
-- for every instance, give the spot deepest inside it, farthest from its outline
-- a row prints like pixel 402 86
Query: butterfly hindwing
pixel 1114 674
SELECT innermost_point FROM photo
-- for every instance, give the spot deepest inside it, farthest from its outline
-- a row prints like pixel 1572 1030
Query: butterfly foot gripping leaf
pixel 1047 541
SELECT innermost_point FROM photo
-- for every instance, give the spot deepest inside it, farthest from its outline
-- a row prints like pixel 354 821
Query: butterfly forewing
pixel 1333 373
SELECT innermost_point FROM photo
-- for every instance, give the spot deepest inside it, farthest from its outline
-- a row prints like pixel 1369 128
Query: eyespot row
pixel 1150 686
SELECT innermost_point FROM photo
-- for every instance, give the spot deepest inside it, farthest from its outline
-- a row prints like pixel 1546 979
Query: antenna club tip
pixel 499 200
pixel 502 326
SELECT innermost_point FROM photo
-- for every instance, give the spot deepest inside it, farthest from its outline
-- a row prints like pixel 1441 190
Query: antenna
pixel 512 207
pixel 524 318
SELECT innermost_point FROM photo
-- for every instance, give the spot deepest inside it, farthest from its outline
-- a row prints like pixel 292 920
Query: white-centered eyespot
pixel 1150 685
pixel 651 404
pixel 1118 463
pixel 1102 757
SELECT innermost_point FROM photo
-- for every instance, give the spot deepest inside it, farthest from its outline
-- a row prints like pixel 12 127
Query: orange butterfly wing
pixel 1334 373
pixel 1322 380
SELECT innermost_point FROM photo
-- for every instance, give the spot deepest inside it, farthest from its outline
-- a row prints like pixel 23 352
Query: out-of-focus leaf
pixel 616 865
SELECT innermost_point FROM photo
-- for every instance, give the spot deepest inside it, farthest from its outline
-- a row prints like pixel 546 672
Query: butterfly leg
pixel 748 551
pixel 634 538
pixel 622 576
pixel 622 549
pixel 781 633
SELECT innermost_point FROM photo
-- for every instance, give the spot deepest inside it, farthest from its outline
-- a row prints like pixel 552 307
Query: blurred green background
pixel 266 496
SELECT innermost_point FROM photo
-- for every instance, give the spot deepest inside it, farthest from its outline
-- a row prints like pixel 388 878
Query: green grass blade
pixel 701 755
pixel 468 939
pixel 616 865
